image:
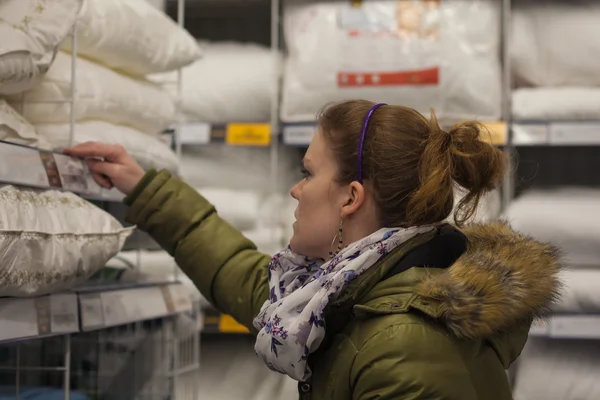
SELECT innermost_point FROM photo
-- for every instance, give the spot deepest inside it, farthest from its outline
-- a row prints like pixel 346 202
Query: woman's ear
pixel 354 200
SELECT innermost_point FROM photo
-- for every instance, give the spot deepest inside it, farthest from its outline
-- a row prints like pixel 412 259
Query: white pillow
pixel 132 36
pixel 555 43
pixel 30 33
pixel 232 82
pixel 51 241
pixel 14 128
pixel 101 94
pixel 238 207
pixel 377 52
pixel 566 217
pixel 149 151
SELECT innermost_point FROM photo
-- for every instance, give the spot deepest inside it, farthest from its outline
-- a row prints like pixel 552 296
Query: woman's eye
pixel 304 172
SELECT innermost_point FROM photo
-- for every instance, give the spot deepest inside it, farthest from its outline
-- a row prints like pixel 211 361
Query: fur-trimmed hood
pixel 502 279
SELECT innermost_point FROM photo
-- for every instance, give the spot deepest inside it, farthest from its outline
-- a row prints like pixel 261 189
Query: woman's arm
pixel 225 266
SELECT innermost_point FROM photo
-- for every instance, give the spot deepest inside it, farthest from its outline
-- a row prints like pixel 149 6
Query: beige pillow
pixel 52 241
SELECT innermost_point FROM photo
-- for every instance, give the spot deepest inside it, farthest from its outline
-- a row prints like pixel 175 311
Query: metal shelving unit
pixel 98 339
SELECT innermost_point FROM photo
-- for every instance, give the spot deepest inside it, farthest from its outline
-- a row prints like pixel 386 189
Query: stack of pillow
pixel 118 43
pixel 50 240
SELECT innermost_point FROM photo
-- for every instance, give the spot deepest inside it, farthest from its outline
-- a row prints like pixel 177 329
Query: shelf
pixel 215 322
pixel 31 167
pixel 574 326
pixel 27 318
pixel 584 133
pixel 89 309
pixel 301 134
pixel 234 134
pixel 102 308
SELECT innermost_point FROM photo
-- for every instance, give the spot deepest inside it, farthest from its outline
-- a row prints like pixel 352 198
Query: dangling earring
pixel 340 240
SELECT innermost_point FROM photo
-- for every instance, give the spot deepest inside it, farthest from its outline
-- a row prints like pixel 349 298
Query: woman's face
pixel 320 200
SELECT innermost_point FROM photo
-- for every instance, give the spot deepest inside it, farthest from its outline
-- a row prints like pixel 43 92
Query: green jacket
pixel 422 334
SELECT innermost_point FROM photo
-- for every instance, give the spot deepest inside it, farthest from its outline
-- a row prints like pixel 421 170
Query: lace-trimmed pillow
pixel 52 241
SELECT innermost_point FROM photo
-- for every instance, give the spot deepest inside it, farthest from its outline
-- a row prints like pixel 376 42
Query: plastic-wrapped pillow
pixel 440 54
pixel 101 94
pixel 52 241
pixel 132 36
pixel 30 33
pixel 148 151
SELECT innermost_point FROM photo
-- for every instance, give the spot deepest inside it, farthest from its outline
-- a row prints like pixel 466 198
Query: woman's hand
pixel 110 165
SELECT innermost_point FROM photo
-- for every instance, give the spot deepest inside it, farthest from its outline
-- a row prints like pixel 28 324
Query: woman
pixel 375 298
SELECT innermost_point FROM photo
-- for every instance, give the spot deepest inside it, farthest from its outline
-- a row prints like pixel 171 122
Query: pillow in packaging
pixel 52 241
pixel 148 151
pixel 14 128
pixel 132 36
pixel 101 94
pixel 30 33
pixel 442 55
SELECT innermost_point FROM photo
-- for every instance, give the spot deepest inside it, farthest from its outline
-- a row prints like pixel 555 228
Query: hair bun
pixel 477 165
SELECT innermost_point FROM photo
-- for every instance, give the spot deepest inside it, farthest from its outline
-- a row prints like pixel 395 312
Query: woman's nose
pixel 295 192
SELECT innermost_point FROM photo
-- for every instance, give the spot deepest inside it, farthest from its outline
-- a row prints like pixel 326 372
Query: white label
pixel 539 328
pixel 19 318
pixel 180 298
pixel 195 133
pixel 92 313
pixel 530 134
pixel 64 313
pixel 300 135
pixel 580 133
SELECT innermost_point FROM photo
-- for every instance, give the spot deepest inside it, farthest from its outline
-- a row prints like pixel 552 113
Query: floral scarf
pixel 291 322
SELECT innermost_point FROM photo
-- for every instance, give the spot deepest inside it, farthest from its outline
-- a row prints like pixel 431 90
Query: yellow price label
pixel 248 134
pixel 498 132
pixel 229 325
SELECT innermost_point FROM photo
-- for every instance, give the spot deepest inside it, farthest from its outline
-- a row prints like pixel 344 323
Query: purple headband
pixel 361 142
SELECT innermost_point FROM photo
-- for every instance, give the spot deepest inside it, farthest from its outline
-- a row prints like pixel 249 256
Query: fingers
pixel 113 153
pixel 102 172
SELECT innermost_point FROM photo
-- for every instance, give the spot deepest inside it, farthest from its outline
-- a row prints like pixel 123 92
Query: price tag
pixel 229 325
pixel 64 313
pixel 19 318
pixel 92 313
pixel 195 133
pixel 176 298
pixel 248 134
pixel 530 134
pixel 114 309
pixel 498 132
pixel 300 135
pixel 539 328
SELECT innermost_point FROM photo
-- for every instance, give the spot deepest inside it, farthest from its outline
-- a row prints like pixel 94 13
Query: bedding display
pixel 30 33
pixel 556 104
pixel 101 94
pixel 15 129
pixel 132 36
pixel 232 82
pixel 581 291
pixel 424 54
pixel 52 241
pixel 555 43
pixel 558 369
pixel 238 207
pixel 564 217
pixel 148 151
